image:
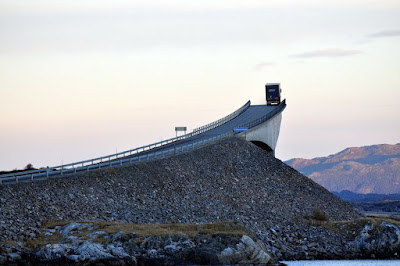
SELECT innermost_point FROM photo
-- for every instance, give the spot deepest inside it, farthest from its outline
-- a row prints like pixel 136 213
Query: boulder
pixel 65 230
pixel 54 251
pixel 245 252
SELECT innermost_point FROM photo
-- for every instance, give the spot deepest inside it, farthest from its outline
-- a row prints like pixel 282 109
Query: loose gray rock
pixel 13 257
pixel 96 234
pixel 67 229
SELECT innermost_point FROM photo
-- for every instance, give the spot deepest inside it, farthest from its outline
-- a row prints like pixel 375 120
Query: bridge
pixel 259 124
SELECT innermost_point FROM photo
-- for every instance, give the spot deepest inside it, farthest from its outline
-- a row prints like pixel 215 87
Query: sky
pixel 81 78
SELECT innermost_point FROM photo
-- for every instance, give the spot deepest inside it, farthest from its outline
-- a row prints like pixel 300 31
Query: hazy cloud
pixel 385 33
pixel 68 5
pixel 328 53
pixel 264 65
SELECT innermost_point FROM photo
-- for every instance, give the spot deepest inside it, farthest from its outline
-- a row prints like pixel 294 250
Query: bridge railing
pixel 134 151
pixel 266 117
pixel 222 120
pixel 45 173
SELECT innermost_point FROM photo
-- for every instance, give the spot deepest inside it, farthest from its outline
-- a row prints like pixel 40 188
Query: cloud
pixel 385 33
pixel 328 53
pixel 68 5
pixel 263 65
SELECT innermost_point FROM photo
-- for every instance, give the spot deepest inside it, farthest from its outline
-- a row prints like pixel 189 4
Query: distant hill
pixel 368 169
pixel 367 198
pixel 374 203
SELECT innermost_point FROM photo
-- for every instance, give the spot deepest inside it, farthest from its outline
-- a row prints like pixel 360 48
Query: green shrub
pixel 29 166
pixel 319 215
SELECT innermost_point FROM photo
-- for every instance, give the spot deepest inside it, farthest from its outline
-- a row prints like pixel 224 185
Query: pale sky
pixel 83 79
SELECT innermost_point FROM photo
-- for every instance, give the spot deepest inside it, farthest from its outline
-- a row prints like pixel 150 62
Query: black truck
pixel 273 93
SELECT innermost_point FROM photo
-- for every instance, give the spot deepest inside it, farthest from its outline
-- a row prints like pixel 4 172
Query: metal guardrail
pixel 100 161
pixel 46 173
pixel 221 121
pixel 266 117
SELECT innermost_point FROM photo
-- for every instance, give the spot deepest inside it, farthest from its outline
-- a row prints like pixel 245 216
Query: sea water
pixel 343 263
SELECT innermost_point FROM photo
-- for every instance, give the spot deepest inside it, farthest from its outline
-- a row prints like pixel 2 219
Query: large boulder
pixel 245 252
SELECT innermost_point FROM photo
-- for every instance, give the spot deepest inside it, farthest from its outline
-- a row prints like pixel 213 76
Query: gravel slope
pixel 232 180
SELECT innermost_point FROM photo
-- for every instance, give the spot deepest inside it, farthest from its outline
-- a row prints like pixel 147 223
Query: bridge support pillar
pixel 266 134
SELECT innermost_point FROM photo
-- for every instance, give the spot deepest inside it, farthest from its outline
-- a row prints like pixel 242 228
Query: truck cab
pixel 273 93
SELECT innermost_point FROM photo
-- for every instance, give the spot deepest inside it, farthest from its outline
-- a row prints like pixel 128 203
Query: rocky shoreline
pixel 232 180
pixel 86 243
pixel 223 243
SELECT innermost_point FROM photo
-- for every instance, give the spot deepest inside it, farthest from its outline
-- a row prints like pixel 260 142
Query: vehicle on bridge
pixel 273 93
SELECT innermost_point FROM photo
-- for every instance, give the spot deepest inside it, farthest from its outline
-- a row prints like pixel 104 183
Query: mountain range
pixel 363 170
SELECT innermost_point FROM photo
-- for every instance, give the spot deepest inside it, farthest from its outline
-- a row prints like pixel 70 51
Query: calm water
pixel 344 263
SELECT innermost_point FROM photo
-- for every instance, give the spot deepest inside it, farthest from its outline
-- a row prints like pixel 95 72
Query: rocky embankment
pixel 229 181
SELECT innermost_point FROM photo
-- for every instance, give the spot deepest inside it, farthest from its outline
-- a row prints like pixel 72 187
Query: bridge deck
pixel 222 128
pixel 252 113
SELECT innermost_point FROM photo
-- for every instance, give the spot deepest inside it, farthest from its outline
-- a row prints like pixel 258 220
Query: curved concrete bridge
pixel 259 124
